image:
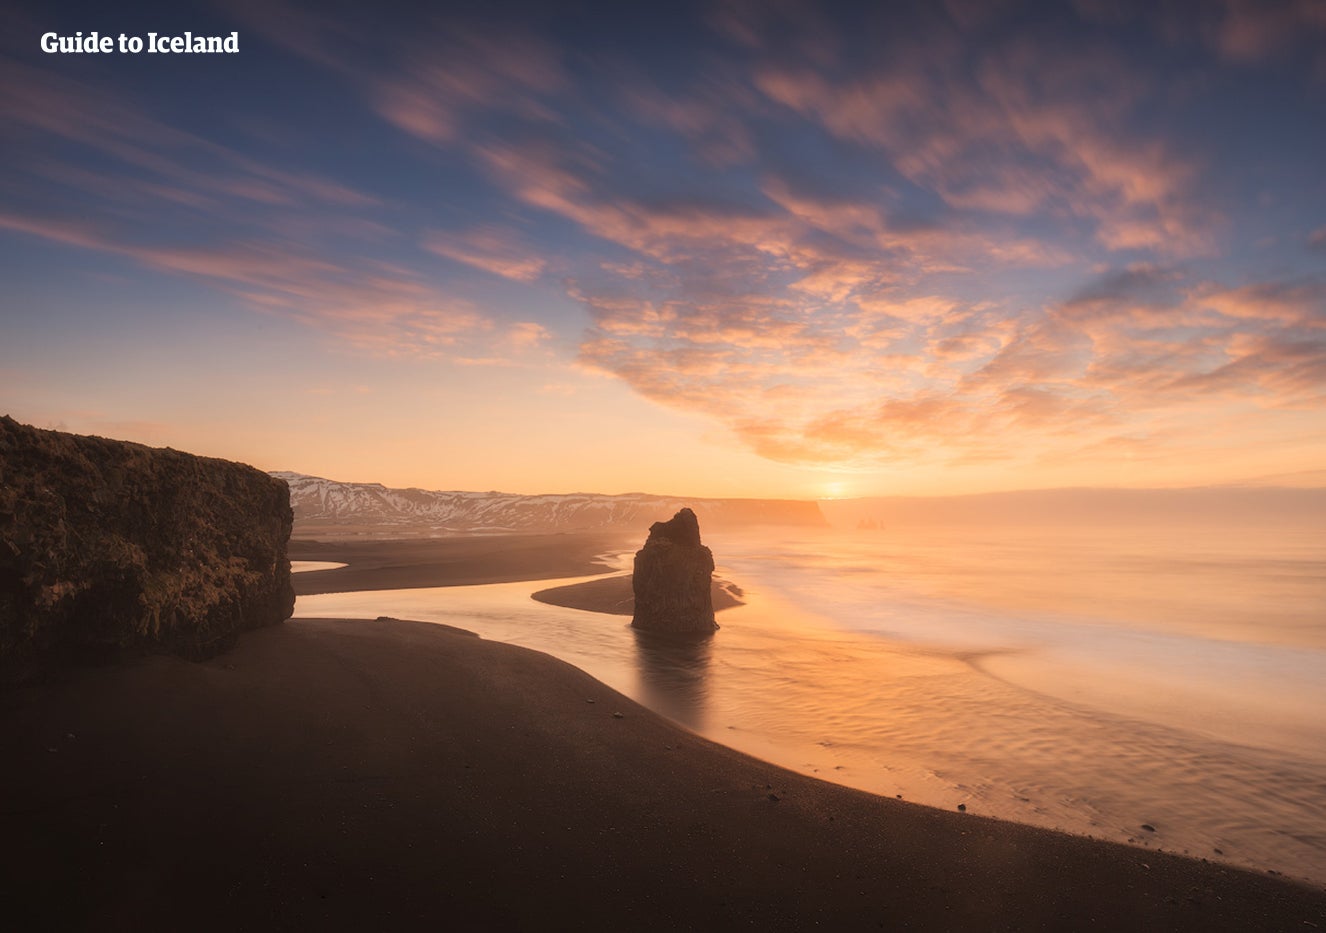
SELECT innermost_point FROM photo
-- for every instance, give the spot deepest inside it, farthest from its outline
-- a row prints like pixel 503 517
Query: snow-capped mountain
pixel 322 503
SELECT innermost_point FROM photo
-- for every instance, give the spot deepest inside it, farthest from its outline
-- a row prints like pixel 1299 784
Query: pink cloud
pixel 490 249
pixel 387 314
pixel 1017 140
pixel 1294 303
pixel 527 334
pixel 1255 30
pixel 438 88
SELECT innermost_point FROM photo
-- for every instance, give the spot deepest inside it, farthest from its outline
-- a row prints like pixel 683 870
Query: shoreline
pixel 349 773
pixel 940 724
pixel 422 563
pixel 417 563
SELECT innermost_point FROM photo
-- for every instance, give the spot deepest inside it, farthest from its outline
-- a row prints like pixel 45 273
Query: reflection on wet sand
pixel 853 662
pixel 673 675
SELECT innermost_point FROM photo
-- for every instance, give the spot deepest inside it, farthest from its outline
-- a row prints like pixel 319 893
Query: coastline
pixel 928 724
pixel 421 563
pixel 346 773
pixel 416 563
pixel 355 773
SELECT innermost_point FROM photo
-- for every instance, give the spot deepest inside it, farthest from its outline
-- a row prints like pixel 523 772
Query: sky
pixel 726 248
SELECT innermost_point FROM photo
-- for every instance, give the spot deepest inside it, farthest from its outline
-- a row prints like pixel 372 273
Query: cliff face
pixel 108 545
pixel 672 578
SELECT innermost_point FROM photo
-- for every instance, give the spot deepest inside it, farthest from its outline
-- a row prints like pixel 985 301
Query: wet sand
pixel 455 561
pixel 330 774
pixel 387 774
pixel 419 563
pixel 614 595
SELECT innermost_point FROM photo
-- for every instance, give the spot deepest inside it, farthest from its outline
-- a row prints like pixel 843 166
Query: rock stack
pixel 672 579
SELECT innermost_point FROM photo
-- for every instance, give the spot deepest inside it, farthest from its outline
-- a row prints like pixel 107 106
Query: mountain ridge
pixel 324 504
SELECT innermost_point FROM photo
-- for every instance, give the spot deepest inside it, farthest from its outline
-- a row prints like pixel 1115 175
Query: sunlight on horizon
pixel 939 250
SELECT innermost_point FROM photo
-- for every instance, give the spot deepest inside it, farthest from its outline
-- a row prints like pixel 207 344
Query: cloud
pixel 528 334
pixel 450 76
pixel 860 378
pixel 1043 352
pixel 1300 302
pixel 1138 289
pixel 41 106
pixel 178 203
pixel 712 115
pixel 1010 135
pixel 1256 30
pixel 366 306
pixel 875 241
pixel 490 249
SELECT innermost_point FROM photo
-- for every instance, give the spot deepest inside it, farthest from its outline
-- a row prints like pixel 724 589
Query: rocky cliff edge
pixel 107 545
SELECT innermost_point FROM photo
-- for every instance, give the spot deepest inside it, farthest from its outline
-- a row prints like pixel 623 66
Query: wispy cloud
pixel 1255 30
pixel 449 76
pixel 491 249
pixel 1012 136
pixel 855 240
pixel 273 238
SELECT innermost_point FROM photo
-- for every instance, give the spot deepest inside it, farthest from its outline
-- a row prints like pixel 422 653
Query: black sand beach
pixel 396 775
pixel 457 561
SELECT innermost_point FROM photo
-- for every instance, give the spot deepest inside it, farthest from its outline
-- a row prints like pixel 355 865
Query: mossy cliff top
pixel 107 545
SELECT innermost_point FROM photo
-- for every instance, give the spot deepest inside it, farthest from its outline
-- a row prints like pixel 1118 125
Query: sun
pixel 834 489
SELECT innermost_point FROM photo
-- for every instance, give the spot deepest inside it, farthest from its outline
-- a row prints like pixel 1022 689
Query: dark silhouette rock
pixel 672 579
pixel 107 545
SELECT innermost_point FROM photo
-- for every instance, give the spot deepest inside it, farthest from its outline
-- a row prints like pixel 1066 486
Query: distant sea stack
pixel 672 579
pixel 107 545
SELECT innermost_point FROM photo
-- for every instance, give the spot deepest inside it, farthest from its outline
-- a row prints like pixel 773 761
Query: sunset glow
pixel 721 248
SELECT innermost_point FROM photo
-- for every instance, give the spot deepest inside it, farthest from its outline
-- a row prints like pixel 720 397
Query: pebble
pixel 1148 827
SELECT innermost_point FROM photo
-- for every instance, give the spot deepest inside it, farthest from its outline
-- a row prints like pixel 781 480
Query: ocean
pixel 1163 686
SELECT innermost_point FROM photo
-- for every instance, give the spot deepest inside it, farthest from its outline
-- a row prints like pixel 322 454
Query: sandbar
pixel 417 563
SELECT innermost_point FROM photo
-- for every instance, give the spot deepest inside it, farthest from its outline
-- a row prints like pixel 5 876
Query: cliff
pixel 107 545
pixel 672 579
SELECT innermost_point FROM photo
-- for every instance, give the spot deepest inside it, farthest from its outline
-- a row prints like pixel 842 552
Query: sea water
pixel 1164 687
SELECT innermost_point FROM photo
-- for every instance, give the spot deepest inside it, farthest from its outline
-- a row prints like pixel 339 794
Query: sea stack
pixel 672 579
pixel 107 545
